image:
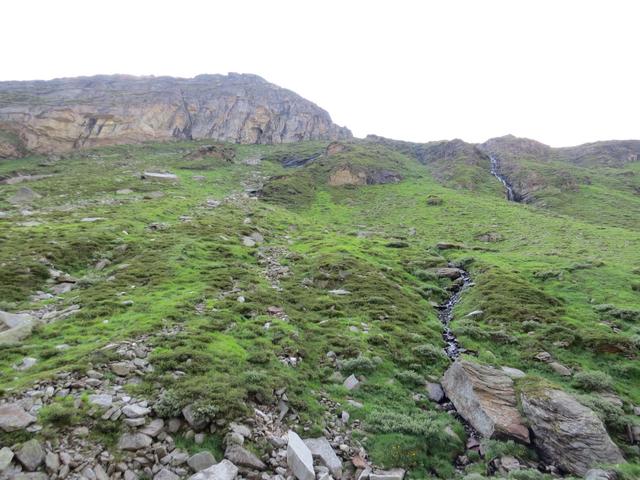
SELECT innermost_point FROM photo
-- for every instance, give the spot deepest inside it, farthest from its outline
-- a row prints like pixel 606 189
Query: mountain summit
pixel 69 113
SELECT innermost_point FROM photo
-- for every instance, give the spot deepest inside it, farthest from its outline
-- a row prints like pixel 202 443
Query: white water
pixel 494 171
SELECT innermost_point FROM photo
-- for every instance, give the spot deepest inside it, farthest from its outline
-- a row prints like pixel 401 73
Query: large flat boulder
pixel 486 398
pixel 13 417
pixel 567 433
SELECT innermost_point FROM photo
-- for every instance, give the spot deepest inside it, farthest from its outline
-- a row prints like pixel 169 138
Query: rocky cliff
pixel 65 114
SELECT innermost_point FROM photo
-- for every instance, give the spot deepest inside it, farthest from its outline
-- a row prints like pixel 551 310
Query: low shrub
pixel 593 380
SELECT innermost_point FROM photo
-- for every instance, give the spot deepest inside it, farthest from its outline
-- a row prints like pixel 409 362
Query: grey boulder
pixel 134 441
pixel 299 458
pixel 566 432
pixel 201 461
pixel 243 457
pixel 486 398
pixel 31 454
pixel 225 470
pixel 13 417
pixel 321 448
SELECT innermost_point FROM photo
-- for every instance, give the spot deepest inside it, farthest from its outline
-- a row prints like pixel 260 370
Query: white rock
pixel 299 458
pixel 103 400
pixel 351 382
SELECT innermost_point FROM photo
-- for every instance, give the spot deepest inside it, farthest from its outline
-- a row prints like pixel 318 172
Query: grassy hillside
pixel 252 283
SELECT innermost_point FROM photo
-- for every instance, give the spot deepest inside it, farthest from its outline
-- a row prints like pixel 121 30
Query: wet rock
pixel 30 454
pixel 486 398
pixel 448 272
pixel 13 417
pixel 299 458
pixel 435 392
pixel 134 441
pixel 321 448
pixel 6 455
pixel 351 382
pixel 567 433
pixel 244 458
pixel 201 461
pixel 225 470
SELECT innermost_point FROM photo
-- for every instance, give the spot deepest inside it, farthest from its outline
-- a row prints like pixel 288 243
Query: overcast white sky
pixel 563 72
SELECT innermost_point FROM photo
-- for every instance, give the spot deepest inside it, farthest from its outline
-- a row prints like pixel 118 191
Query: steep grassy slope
pixel 180 259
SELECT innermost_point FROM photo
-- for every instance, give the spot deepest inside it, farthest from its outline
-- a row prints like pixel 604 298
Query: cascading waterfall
pixel 495 172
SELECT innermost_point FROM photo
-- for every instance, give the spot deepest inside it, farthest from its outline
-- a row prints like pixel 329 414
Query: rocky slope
pixel 69 113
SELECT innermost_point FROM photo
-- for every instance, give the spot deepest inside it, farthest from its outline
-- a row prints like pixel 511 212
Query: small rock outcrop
pixel 567 433
pixel 13 417
pixel 486 398
pixel 354 175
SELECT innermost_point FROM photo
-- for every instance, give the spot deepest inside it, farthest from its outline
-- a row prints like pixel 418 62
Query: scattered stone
pixel 355 404
pixel 225 470
pixel 560 369
pixel 24 195
pixel 103 400
pixel 321 448
pixel 395 474
pixel 122 369
pixel 165 474
pixel 154 428
pixel 449 246
pixel 62 288
pixel 543 357
pixel 351 382
pixel 435 392
pixel 13 417
pixel 124 191
pixel 449 272
pixel 243 457
pixel 26 363
pixel 159 176
pixel 30 454
pixel 91 219
pixel 6 455
pixel 135 411
pixel 189 415
pixel 475 314
pixel 201 461
pixel 134 441
pixel 339 292
pixel 52 462
pixel 566 433
pixel 299 458
pixel 485 397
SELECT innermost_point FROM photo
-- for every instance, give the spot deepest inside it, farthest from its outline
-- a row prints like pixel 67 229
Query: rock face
pixel 68 113
pixel 486 398
pixel 567 433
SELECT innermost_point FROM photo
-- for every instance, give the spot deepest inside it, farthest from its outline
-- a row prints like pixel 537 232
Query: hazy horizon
pixel 562 74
